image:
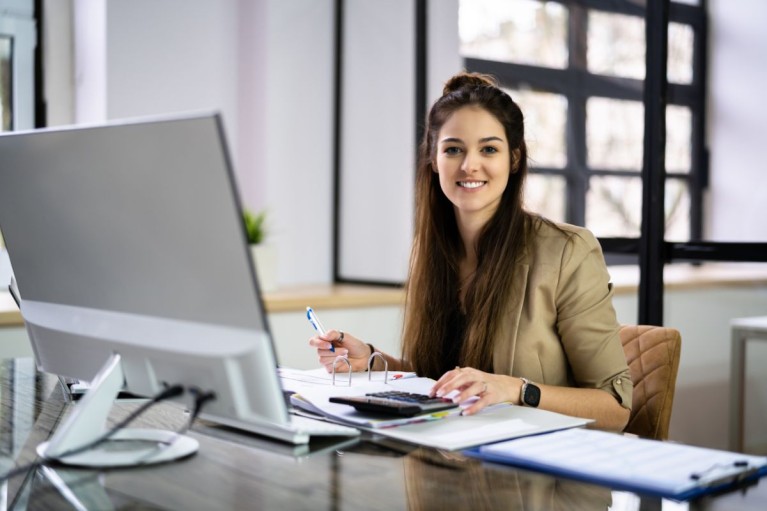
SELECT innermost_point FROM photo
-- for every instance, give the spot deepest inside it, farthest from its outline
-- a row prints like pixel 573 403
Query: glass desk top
pixel 235 470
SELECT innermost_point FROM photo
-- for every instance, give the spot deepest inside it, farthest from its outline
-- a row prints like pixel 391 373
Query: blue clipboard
pixel 662 469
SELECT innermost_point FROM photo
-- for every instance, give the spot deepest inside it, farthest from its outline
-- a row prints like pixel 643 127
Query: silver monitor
pixel 127 240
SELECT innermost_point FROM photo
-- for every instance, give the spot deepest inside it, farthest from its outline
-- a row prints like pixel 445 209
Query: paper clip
pixel 343 358
pixel 370 366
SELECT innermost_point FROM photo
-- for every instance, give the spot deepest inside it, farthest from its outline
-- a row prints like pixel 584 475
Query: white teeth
pixel 471 184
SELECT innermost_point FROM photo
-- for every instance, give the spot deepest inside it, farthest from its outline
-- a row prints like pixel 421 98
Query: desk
pixel 743 329
pixel 238 471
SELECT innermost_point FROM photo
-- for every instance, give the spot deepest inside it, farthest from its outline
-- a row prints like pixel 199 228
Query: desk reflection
pixel 62 488
pixel 429 473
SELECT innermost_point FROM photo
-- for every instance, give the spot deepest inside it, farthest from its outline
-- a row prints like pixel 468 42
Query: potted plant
pixel 263 254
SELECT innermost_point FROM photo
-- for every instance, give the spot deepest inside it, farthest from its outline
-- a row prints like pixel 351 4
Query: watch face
pixel 532 395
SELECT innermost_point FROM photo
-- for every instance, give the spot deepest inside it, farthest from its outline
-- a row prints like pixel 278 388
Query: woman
pixel 501 303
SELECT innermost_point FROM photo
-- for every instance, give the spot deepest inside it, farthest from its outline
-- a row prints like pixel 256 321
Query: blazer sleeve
pixel 586 320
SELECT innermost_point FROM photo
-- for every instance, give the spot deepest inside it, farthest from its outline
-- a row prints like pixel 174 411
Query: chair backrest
pixel 652 353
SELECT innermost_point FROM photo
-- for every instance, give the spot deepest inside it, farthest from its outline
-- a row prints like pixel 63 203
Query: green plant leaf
pixel 254 226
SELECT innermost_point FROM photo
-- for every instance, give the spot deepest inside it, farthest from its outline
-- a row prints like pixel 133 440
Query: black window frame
pixel 577 84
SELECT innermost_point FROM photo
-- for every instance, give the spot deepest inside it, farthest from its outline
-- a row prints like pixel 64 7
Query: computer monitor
pixel 127 240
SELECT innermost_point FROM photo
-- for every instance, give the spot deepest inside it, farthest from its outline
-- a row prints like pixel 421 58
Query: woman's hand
pixel 469 382
pixel 345 344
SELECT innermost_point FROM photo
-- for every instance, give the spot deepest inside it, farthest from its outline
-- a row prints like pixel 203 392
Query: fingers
pixel 344 344
pixel 483 401
pixel 331 338
pixel 465 383
pixel 446 383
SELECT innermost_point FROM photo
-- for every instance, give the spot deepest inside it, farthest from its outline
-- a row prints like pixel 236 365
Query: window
pixel 6 112
pixel 577 70
pixel 17 91
pixel 17 67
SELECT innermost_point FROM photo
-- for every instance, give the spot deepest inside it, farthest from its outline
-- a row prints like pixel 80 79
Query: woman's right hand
pixel 345 344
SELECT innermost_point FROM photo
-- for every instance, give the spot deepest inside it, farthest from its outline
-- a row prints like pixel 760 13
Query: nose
pixel 470 163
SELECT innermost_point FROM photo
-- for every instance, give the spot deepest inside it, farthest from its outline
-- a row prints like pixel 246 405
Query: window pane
pixel 616 45
pixel 614 206
pixel 5 83
pixel 677 210
pixel 680 49
pixel 614 134
pixel 521 31
pixel 545 118
pixel 678 138
pixel 545 195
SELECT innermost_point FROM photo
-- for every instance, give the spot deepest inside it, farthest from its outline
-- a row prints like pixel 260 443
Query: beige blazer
pixel 561 327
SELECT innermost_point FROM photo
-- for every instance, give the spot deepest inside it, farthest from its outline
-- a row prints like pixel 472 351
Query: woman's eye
pixel 452 150
pixel 489 150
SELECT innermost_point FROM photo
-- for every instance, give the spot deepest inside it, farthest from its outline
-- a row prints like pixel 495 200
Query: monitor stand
pixel 127 447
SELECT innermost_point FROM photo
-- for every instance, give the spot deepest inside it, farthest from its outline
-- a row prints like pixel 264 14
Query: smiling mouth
pixel 471 184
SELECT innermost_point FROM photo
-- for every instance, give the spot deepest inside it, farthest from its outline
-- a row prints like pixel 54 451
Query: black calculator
pixel 393 402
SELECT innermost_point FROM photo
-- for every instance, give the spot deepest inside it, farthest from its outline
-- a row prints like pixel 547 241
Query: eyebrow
pixel 481 140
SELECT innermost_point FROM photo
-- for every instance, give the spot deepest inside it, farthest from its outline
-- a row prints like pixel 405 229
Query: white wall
pixel 377 140
pixel 296 176
pixel 736 209
pixel 58 40
pixel 90 48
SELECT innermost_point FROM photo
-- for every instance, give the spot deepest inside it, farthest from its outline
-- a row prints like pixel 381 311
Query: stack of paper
pixel 312 389
pixel 443 430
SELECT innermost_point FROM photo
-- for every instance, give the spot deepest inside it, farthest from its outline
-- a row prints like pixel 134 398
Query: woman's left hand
pixel 469 382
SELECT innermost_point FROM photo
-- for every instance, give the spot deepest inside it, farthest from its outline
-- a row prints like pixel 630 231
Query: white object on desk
pixel 743 329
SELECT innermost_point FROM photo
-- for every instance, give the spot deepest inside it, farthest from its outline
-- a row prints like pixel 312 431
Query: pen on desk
pixel 312 317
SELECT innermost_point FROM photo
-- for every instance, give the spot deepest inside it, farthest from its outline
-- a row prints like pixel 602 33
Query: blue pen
pixel 312 317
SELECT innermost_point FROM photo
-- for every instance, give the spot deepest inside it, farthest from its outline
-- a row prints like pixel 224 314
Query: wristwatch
pixel 531 393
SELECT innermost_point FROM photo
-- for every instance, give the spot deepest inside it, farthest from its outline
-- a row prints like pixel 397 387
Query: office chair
pixel 652 354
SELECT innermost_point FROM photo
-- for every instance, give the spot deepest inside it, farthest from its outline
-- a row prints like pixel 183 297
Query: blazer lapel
pixel 506 339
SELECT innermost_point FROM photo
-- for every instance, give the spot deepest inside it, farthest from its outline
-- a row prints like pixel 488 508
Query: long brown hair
pixel 433 282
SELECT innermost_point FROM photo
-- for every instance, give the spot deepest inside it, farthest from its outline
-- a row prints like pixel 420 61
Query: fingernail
pixel 440 393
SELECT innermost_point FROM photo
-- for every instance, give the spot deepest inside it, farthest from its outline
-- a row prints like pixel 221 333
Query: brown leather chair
pixel 652 353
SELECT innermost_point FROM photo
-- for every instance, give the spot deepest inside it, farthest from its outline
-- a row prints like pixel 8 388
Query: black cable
pixel 172 391
pixel 200 398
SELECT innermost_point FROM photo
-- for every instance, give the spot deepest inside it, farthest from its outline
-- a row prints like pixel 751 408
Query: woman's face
pixel 473 162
